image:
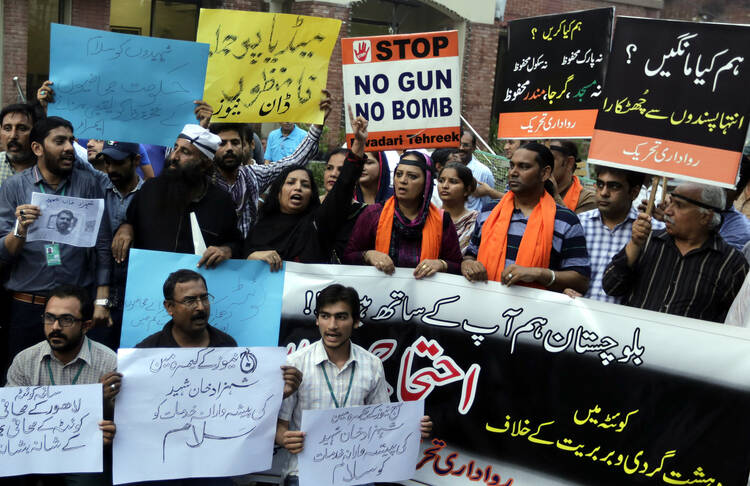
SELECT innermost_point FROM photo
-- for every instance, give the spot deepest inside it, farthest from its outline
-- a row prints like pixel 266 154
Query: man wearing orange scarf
pixel 575 197
pixel 528 239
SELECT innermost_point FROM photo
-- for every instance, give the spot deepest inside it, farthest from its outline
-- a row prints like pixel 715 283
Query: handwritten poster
pixel 125 87
pixel 532 388
pixel 357 445
pixel 189 412
pixel 408 86
pixel 70 220
pixel 266 67
pixel 674 102
pixel 247 297
pixel 553 74
pixel 50 429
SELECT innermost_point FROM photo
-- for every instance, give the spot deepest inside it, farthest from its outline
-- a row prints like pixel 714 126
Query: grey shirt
pixel 80 266
pixel 30 368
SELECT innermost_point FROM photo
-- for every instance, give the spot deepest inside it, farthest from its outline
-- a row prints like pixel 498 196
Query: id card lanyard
pixel 330 388
pixel 75 378
pixel 52 250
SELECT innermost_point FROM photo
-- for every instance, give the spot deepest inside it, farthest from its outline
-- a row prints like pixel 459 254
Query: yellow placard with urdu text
pixel 266 67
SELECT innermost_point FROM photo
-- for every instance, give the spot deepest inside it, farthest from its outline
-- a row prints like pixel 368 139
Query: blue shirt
pixel 482 173
pixel 117 204
pixel 279 146
pixel 604 243
pixel 568 242
pixel 735 229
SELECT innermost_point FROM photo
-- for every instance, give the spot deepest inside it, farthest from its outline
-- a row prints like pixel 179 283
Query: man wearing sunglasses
pixel 687 269
pixel 609 226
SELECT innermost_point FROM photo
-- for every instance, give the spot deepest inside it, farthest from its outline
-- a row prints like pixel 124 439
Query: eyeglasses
pixel 611 185
pixel 192 301
pixel 65 320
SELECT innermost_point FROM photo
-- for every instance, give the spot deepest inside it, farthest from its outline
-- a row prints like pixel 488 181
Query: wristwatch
pixel 16 233
pixel 102 302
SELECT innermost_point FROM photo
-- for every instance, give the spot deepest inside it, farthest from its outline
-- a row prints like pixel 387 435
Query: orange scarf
pixel 432 233
pixel 574 192
pixel 536 244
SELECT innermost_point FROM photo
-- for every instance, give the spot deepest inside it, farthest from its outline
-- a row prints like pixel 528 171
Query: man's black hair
pixel 336 152
pixel 543 155
pixel 441 155
pixel 24 108
pixel 634 178
pixel 45 125
pixel 67 290
pixel 338 293
pixel 180 276
pixel 473 137
pixel 744 173
pixel 243 129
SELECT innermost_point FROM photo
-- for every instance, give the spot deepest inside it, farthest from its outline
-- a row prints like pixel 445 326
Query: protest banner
pixel 407 86
pixel 70 220
pixel 125 87
pixel 672 102
pixel 553 74
pixel 50 429
pixel 196 412
pixel 266 67
pixel 530 387
pixel 247 297
pixel 357 445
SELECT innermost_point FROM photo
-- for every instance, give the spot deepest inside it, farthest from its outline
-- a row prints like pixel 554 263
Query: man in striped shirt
pixel 336 373
pixel 687 269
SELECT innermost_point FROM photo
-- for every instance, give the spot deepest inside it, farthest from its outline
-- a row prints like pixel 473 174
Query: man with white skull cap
pixel 181 211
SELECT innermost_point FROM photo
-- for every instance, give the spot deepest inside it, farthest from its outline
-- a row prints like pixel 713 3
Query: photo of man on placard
pixel 64 222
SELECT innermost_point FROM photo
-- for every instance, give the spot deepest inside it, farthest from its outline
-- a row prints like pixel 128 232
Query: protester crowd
pixel 542 228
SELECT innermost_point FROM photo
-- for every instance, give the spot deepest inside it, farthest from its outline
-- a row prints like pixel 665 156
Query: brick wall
pixel 15 21
pixel 93 14
pixel 516 9
pixel 248 5
pixel 480 58
pixel 335 121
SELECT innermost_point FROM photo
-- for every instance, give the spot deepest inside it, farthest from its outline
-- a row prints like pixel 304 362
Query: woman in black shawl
pixel 294 225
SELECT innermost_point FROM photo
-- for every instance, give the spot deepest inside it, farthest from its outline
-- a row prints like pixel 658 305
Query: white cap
pixel 203 140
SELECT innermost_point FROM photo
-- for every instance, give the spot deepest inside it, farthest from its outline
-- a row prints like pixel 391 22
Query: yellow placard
pixel 266 67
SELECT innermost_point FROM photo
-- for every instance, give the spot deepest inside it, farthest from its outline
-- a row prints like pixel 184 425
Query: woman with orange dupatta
pixel 407 230
pixel 528 239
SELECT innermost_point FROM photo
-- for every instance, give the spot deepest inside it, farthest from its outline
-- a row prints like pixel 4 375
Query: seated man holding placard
pixel 68 357
pixel 337 373
pixel 36 267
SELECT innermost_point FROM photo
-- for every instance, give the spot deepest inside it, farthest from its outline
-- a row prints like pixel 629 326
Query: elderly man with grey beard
pixel 686 269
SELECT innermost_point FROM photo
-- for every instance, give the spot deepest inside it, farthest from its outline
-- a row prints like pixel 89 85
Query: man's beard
pixel 22 156
pixel 230 164
pixel 53 164
pixel 68 344
pixel 178 185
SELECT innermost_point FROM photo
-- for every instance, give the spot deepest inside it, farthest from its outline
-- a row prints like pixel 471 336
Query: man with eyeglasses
pixel 687 269
pixel 68 357
pixel 187 300
pixel 608 227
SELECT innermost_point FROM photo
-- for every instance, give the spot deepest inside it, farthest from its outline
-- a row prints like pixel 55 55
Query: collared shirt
pixel 117 204
pixel 739 312
pixel 29 367
pixel 6 170
pixel 735 228
pixel 279 145
pixel 80 266
pixel 252 180
pixel 568 243
pixel 482 173
pixel 165 339
pixel 701 284
pixel 368 384
pixel 604 243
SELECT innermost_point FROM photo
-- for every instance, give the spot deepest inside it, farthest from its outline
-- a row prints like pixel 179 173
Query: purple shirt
pixel 410 249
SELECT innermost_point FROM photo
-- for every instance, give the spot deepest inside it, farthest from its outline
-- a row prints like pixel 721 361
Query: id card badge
pixel 52 252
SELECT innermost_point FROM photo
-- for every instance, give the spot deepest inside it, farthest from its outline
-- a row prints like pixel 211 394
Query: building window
pixel 170 19
pixel 41 14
